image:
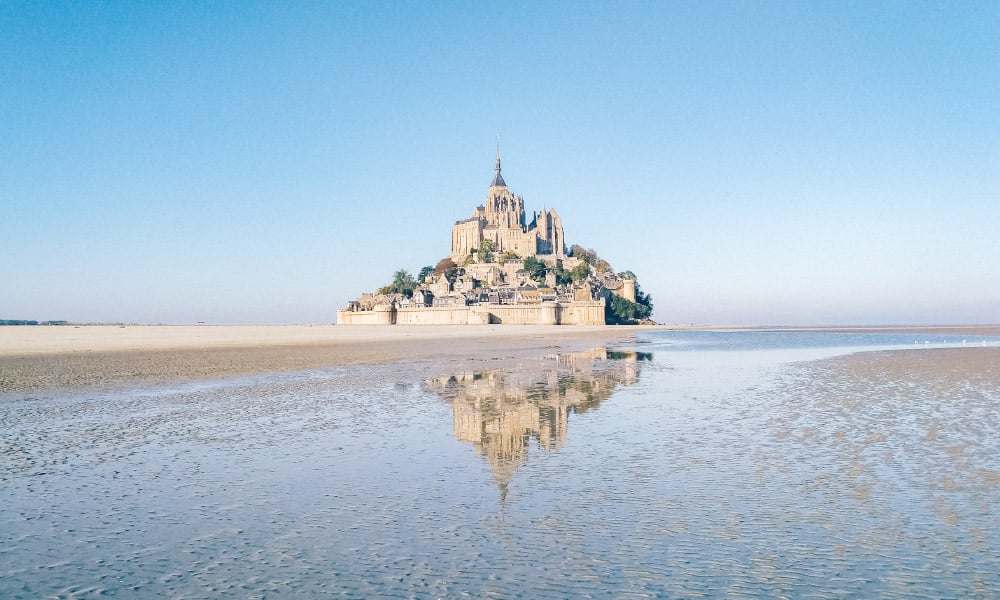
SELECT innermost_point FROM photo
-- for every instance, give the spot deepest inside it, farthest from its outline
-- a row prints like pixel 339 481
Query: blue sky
pixel 752 163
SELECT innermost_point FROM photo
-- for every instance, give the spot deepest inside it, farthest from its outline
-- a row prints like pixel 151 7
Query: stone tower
pixel 504 210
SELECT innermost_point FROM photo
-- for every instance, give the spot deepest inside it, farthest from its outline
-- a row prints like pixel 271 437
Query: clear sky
pixel 751 162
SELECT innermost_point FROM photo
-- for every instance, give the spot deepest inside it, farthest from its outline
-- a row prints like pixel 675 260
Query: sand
pixel 977 366
pixel 47 358
pixel 51 358
pixel 971 330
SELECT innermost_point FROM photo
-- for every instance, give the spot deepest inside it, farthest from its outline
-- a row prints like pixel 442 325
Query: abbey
pixel 501 220
pixel 502 268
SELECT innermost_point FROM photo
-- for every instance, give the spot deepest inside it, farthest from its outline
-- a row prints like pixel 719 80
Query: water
pixel 736 464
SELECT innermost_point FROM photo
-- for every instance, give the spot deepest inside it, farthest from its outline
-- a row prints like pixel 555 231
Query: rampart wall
pixel 385 316
pixel 545 313
pixel 583 312
pixel 433 315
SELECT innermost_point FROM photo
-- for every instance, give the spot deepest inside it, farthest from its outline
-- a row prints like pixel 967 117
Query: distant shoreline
pixel 29 340
pixel 57 358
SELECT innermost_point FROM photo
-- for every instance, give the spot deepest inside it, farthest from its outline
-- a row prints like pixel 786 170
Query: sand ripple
pixel 871 476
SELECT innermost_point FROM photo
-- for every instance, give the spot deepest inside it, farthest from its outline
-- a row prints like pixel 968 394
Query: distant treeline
pixel 26 322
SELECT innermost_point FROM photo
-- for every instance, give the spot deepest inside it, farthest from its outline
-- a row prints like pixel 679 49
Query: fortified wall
pixel 579 312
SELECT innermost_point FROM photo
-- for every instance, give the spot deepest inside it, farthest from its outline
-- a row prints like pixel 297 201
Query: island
pixel 506 269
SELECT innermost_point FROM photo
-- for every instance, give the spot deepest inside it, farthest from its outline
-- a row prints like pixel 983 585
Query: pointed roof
pixel 498 178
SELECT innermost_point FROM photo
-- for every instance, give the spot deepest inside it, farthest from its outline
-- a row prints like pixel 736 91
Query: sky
pixel 753 163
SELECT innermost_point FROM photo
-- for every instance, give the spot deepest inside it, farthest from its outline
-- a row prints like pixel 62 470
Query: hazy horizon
pixel 752 163
pixel 706 326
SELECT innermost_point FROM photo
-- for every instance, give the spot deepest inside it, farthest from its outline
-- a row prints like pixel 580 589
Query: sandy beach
pixel 48 358
pixel 41 358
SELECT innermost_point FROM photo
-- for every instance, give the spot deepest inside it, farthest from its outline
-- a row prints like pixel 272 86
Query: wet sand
pixel 970 330
pixel 973 364
pixel 976 365
pixel 50 358
pixel 47 358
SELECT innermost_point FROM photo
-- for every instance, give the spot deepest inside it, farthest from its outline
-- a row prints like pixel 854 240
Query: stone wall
pixel 382 315
pixel 545 313
pixel 584 312
pixel 433 315
pixel 465 236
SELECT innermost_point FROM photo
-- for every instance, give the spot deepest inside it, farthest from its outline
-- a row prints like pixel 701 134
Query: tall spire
pixel 498 179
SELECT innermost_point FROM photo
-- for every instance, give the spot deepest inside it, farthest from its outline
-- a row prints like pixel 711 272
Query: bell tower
pixel 504 210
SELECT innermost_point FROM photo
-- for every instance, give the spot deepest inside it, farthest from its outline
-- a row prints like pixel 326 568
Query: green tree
pixel 402 283
pixel 620 310
pixel 486 249
pixel 424 272
pixel 535 269
pixel 580 272
pixel 645 302
pixel 401 278
pixel 587 255
pixel 563 276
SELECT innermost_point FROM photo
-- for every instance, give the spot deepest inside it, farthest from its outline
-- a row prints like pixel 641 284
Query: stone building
pixel 502 220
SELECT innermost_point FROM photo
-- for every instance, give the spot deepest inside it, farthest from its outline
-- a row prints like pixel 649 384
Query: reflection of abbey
pixel 503 268
pixel 500 412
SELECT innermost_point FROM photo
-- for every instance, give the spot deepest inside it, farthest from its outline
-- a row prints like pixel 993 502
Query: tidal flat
pixel 672 463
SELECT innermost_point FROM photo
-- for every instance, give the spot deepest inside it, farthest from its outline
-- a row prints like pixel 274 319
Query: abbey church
pixel 502 220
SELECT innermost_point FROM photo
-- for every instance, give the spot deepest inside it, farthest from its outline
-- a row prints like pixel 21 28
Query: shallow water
pixel 717 464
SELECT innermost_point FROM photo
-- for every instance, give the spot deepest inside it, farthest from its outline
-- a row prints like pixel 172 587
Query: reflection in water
pixel 501 411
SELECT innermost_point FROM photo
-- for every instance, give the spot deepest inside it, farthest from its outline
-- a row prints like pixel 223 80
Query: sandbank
pixel 977 365
pixel 46 358
pixel 974 330
pixel 37 359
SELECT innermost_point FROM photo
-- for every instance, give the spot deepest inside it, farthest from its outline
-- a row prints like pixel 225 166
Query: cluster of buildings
pixel 484 279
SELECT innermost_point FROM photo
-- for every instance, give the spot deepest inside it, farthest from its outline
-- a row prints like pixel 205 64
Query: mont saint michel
pixel 504 268
pixel 277 323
